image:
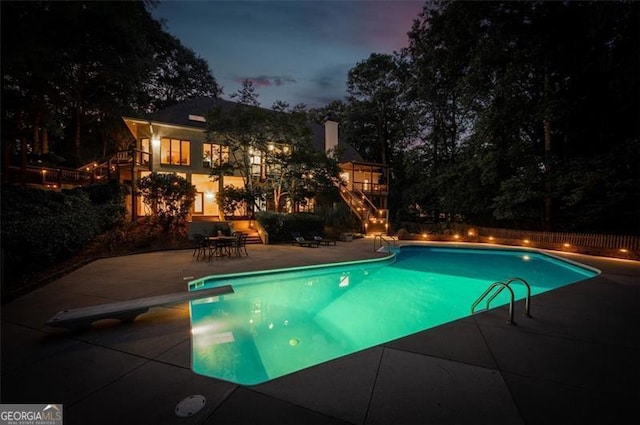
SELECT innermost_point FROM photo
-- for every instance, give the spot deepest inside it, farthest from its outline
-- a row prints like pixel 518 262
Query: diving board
pixel 128 310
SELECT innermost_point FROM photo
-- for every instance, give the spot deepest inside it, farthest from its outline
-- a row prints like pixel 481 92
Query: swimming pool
pixel 281 321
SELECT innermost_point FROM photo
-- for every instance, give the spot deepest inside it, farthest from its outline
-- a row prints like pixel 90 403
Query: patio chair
pixel 200 246
pixel 240 244
pixel 299 240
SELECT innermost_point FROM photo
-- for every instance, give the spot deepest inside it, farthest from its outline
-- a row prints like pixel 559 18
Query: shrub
pixel 279 226
pixel 41 227
pixel 230 198
pixel 169 197
pixel 339 218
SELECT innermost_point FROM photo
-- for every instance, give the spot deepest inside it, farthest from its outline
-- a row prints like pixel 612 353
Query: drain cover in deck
pixel 190 406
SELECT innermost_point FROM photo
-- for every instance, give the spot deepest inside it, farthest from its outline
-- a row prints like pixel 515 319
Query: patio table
pixel 220 246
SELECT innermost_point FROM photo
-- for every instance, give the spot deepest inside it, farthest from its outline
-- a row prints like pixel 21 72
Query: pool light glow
pixel 248 337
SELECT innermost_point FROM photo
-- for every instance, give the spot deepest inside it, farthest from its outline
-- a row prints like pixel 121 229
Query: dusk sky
pixel 296 51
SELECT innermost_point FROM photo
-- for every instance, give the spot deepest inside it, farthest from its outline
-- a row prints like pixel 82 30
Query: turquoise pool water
pixel 282 321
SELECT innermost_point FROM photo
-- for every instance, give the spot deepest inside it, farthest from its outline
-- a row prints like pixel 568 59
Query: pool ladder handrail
pixel 502 286
pixel 383 240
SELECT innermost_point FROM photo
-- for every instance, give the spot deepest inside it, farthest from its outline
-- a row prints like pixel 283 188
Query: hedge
pixel 40 227
pixel 279 226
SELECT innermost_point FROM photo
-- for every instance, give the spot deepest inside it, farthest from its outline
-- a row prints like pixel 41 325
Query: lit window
pixel 145 146
pixel 257 164
pixel 198 203
pixel 214 155
pixel 174 151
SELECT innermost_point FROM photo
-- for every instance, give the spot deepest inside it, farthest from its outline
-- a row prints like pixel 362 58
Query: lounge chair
pixel 322 240
pixel 299 240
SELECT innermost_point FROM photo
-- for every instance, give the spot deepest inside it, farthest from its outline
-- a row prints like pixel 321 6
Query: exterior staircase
pixel 111 167
pixel 374 220
pixel 253 237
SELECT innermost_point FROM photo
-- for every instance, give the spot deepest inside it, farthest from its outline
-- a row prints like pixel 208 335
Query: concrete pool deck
pixel 576 361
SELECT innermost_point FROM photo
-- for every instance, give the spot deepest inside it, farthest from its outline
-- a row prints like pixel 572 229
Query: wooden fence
pixel 599 242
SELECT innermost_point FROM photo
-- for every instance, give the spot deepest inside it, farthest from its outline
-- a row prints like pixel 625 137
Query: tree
pixel 67 89
pixel 279 137
pixel 231 198
pixel 243 127
pixel 290 158
pixel 519 96
pixel 379 120
pixel 179 74
pixel 379 117
pixel 168 196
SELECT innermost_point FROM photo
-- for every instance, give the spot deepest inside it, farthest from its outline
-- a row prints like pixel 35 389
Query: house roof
pixel 180 114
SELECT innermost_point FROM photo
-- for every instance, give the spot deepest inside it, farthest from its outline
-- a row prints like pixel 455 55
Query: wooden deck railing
pixel 51 177
pixel 56 177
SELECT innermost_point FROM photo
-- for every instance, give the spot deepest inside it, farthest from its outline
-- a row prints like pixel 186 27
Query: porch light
pixel 155 141
pixel 271 147
pixel 209 195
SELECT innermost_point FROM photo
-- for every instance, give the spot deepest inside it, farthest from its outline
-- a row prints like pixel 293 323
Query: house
pixel 174 140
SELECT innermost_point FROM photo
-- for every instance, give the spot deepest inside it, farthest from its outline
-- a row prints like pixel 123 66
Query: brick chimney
pixel 330 133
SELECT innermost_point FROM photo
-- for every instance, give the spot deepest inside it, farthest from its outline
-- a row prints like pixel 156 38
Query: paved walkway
pixel 575 362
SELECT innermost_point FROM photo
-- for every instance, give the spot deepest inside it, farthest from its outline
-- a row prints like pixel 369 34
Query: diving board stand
pixel 127 311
